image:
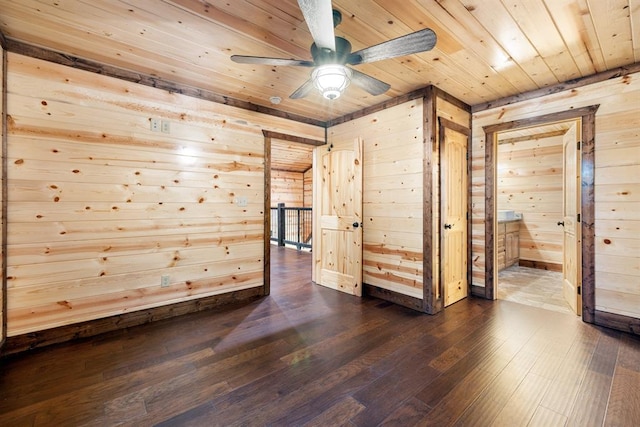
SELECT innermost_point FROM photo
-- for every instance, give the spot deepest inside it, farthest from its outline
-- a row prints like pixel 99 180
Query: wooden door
pixel 338 213
pixel 454 208
pixel 570 212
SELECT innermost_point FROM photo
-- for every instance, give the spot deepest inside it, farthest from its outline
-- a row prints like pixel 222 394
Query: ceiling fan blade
pixel 370 84
pixel 319 17
pixel 420 41
pixel 242 59
pixel 303 90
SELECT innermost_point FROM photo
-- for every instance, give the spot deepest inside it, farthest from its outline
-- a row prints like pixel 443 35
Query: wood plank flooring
pixel 310 356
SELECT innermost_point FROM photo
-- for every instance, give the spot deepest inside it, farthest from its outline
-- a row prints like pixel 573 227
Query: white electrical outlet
pixel 166 126
pixel 164 281
pixel 155 124
pixel 241 201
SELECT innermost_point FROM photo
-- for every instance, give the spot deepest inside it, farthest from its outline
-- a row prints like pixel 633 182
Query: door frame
pixel 587 200
pixel 268 136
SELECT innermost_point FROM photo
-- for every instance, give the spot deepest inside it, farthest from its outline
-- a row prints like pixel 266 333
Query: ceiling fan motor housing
pixel 326 56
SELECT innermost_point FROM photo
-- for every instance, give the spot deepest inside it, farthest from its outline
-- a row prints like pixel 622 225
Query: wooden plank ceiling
pixel 291 156
pixel 487 49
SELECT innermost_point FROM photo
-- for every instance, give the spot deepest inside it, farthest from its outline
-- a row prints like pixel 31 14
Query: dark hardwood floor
pixel 307 355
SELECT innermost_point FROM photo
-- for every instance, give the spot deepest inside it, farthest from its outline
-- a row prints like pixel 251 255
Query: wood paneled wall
pixel 529 181
pixel 394 178
pixel 392 194
pixel 307 189
pixel 101 207
pixel 617 184
pixel 287 187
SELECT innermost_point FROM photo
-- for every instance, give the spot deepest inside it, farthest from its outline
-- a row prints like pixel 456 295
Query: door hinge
pixel 579 144
pixel 578 217
pixel 579 290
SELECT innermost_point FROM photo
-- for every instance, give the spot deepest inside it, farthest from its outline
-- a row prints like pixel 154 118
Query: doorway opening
pixel 536 182
pixel 578 218
pixel 288 177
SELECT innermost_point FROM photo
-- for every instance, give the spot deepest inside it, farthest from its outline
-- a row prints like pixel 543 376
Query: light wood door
pixel 338 212
pixel 571 209
pixel 454 181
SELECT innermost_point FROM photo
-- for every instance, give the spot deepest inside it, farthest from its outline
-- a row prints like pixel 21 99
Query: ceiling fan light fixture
pixel 331 54
pixel 331 79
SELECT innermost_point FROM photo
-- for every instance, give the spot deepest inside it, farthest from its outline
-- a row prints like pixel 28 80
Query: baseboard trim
pixel 478 291
pixel 33 340
pixel 540 265
pixel 394 297
pixel 617 321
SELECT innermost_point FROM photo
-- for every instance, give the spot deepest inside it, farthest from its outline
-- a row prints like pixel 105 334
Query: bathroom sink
pixel 506 215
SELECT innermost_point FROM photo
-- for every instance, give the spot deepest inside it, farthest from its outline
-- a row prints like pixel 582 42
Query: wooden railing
pixel 291 226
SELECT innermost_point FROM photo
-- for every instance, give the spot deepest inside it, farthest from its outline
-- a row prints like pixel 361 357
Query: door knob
pixel 448 226
pixel 561 223
pixel 356 224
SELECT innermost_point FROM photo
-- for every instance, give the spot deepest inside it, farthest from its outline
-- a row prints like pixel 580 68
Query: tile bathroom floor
pixel 533 287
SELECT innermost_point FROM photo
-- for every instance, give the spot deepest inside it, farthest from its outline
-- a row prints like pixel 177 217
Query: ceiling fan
pixel 332 54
